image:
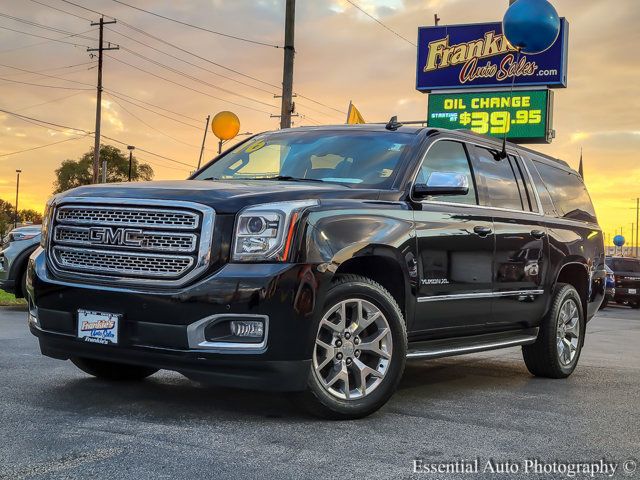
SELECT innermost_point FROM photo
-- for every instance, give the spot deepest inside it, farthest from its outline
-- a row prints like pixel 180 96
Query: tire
pixel 113 371
pixel 543 358
pixel 355 352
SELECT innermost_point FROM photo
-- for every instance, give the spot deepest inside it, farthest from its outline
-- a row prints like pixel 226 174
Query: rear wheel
pixel 635 305
pixel 556 352
pixel 359 351
pixel 112 370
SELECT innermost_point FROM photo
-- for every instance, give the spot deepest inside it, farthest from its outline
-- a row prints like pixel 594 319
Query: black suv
pixel 626 273
pixel 317 260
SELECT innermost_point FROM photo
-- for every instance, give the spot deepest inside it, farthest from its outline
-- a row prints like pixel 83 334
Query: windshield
pixel 357 159
pixel 624 264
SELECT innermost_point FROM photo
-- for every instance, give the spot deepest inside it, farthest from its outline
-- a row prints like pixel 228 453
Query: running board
pixel 471 344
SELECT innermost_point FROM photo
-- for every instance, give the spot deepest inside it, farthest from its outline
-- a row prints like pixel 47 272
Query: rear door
pixel 455 245
pixel 521 243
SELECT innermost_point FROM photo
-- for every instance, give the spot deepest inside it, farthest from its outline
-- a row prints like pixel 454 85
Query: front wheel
pixel 556 352
pixel 359 350
pixel 113 371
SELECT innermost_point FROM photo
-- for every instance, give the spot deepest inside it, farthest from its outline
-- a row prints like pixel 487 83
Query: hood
pixel 224 196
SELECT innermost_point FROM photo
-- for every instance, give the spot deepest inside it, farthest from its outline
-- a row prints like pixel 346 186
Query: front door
pixel 455 250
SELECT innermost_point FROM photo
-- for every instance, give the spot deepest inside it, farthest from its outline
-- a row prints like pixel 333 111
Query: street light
pixel 18 172
pixel 131 148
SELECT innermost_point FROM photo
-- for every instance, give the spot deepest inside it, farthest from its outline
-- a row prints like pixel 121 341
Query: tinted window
pixel 543 193
pixel 447 156
pixel 568 193
pixel 359 159
pixel 500 180
pixel 624 264
pixel 528 197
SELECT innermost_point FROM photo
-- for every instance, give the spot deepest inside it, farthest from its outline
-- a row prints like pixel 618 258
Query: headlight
pixel 17 236
pixel 264 232
pixel 46 221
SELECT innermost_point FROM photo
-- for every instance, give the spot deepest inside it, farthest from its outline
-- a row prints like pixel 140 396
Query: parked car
pixel 627 279
pixel 610 287
pixel 317 260
pixel 16 247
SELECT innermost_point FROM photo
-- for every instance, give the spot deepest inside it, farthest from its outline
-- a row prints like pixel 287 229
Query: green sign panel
pixel 524 115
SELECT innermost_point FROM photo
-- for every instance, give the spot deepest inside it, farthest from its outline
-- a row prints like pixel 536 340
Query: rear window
pixel 568 193
pixel 624 264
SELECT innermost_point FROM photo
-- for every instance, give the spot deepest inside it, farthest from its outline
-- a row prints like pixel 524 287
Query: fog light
pixel 247 328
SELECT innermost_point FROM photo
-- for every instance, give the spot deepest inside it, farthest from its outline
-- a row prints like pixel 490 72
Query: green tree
pixel 74 173
pixel 7 217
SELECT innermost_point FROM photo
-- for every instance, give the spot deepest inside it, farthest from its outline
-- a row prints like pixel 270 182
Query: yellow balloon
pixel 225 125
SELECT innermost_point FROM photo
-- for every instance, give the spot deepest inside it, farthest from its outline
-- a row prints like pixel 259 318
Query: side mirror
pixel 442 183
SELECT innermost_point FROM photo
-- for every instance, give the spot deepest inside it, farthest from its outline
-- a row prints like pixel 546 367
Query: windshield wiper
pixel 292 179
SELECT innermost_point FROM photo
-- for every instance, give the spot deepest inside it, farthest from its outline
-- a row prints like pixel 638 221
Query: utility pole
pixel 287 72
pixel 15 220
pixel 206 128
pixel 96 145
pixel 436 19
pixel 131 148
pixel 637 221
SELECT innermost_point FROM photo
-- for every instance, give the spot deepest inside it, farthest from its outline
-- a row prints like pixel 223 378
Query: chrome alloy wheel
pixel 353 349
pixel 568 332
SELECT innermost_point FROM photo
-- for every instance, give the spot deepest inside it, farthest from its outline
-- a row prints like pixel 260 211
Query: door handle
pixel 482 231
pixel 538 233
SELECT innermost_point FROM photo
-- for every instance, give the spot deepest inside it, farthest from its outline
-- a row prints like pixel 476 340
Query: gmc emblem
pixel 124 237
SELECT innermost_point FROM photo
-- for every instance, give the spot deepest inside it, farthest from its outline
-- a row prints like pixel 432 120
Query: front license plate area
pixel 632 291
pixel 98 327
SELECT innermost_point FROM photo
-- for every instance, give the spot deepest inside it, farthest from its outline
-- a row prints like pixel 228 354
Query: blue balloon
pixel 618 240
pixel 531 25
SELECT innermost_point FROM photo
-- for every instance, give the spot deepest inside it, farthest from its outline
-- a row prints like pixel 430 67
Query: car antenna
pixel 393 124
pixel 503 154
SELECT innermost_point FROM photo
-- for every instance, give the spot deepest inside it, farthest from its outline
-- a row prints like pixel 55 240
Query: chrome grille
pixel 126 240
pixel 132 217
pixel 149 239
pixel 134 264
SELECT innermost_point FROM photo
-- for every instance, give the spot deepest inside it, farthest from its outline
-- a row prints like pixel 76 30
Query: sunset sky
pixel 342 55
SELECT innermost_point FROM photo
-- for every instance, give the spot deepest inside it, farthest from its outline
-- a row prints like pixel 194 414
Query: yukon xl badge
pixel 124 237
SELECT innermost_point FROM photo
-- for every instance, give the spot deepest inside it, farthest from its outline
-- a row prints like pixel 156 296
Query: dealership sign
pixel 479 56
pixel 524 115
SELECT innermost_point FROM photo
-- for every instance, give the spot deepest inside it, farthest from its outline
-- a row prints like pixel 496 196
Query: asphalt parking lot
pixel 55 422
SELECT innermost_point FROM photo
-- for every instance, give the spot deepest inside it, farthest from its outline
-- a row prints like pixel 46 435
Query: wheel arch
pixel 575 273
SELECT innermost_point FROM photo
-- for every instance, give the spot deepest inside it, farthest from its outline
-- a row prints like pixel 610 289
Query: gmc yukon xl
pixel 318 260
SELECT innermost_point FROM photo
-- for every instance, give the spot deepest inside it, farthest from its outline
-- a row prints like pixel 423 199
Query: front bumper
pixel 155 324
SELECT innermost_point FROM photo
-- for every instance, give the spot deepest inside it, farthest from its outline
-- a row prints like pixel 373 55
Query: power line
pixel 53 68
pixel 200 57
pixel 150 153
pixel 45 75
pixel 190 63
pixel 114 94
pixel 48 101
pixel 45 122
pixel 152 127
pixel 234 37
pixel 45 27
pixel 42 146
pixel 63 11
pixel 46 86
pixel 187 87
pixel 195 79
pixel 39 121
pixel 382 24
pixel 47 38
